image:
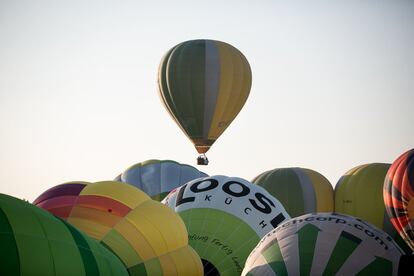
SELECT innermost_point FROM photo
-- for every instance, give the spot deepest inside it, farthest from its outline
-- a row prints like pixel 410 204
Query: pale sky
pixel 333 86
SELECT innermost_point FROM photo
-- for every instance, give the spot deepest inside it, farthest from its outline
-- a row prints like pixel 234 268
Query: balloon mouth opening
pixel 209 268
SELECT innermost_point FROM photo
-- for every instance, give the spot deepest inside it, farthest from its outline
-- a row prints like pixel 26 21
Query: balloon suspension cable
pixel 202 160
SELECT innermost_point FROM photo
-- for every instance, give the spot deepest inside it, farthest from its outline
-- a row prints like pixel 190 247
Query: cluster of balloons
pixel 287 221
pixel 160 217
pixel 148 237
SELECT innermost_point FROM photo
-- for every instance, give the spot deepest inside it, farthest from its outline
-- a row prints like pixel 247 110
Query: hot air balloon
pixel 399 195
pixel 158 177
pixel 204 84
pixel 359 193
pixel 148 237
pixel 34 242
pixel 301 191
pixel 324 244
pixel 225 218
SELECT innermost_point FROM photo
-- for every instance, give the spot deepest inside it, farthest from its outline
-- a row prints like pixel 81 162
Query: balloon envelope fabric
pixel 300 190
pixel 59 200
pixel 225 218
pixel 399 195
pixel 324 244
pixel 158 177
pixel 204 84
pixel 359 193
pixel 34 242
pixel 147 236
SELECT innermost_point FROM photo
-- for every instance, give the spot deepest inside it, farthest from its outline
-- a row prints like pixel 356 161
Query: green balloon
pixel 34 242
pixel 300 190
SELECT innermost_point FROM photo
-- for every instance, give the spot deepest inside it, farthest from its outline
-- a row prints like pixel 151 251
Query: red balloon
pixel 399 195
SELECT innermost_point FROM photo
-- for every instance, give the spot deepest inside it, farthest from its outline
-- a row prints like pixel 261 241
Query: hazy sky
pixel 333 86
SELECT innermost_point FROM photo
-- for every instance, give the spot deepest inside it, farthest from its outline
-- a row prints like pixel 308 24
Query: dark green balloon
pixel 34 242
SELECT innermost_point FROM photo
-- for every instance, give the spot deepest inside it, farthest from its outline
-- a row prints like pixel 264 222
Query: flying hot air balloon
pixel 325 244
pixel 204 84
pixel 399 195
pixel 225 218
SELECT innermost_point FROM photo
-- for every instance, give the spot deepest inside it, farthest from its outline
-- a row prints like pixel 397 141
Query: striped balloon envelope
pixel 399 195
pixel 325 244
pixel 225 218
pixel 59 200
pixel 147 236
pixel 300 190
pixel 34 242
pixel 158 177
pixel 204 84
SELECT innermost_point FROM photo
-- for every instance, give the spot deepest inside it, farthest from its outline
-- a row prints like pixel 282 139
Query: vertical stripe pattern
pixel 324 244
pixel 158 177
pixel 9 255
pixel 204 84
pixel 34 242
pixel 300 190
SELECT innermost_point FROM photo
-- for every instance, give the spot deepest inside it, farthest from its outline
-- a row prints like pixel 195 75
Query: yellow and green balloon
pixel 300 190
pixel 204 84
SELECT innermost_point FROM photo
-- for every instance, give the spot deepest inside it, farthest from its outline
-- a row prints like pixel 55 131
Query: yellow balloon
pixel 147 236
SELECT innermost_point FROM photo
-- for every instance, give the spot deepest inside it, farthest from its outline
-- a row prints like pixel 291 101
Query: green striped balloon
pixel 325 244
pixel 204 84
pixel 300 190
pixel 34 242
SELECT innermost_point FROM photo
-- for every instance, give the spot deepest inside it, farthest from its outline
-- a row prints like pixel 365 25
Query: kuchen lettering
pixel 263 224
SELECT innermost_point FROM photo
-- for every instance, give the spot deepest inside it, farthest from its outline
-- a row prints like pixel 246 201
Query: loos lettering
pixel 258 201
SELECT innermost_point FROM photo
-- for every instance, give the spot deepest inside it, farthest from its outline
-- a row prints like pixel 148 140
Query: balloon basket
pixel 202 160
